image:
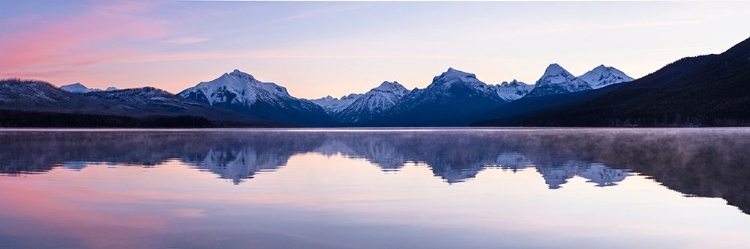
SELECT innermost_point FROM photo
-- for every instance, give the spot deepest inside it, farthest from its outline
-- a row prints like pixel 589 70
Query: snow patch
pixel 78 88
pixel 602 76
pixel 555 74
pixel 335 105
pixel 557 80
pixel 510 91
pixel 452 76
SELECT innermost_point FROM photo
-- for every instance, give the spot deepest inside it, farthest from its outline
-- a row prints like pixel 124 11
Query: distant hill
pixel 40 104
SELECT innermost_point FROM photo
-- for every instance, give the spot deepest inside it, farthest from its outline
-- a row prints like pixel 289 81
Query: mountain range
pixel 707 90
pixel 454 98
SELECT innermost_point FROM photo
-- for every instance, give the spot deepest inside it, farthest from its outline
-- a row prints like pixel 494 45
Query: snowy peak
pixel 390 87
pixel 353 106
pixel 557 80
pixel 554 69
pixel 78 88
pixel 241 75
pixel 453 71
pixel 351 96
pixel 373 103
pixel 513 90
pixel 455 81
pixel 455 76
pixel 601 68
pixel 555 74
pixel 602 76
pixel 452 79
pixel 513 82
pixel 335 105
pixel 388 91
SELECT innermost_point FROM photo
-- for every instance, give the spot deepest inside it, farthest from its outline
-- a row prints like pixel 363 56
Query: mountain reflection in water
pixel 695 162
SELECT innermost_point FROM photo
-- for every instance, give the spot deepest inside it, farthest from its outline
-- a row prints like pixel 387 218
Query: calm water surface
pixel 418 188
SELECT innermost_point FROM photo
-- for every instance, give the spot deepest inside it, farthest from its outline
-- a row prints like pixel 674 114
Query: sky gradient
pixel 316 49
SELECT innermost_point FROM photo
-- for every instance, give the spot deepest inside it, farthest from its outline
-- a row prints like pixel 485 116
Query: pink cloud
pixel 82 39
pixel 188 213
pixel 186 40
pixel 318 53
pixel 126 6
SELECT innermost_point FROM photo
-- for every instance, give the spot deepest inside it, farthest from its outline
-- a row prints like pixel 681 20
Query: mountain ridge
pixel 707 90
pixel 34 99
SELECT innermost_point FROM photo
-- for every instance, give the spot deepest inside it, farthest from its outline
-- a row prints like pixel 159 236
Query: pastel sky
pixel 335 48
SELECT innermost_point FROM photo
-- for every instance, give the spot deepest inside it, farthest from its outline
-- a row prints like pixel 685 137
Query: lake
pixel 375 188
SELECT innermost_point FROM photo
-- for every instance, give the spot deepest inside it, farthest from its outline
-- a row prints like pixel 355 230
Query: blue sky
pixel 320 48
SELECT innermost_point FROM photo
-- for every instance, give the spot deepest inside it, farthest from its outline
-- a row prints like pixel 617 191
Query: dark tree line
pixel 14 118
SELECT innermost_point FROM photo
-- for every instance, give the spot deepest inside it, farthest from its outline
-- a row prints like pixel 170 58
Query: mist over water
pixel 357 178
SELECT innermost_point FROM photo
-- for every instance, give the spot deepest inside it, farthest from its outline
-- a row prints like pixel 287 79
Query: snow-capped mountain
pixel 513 90
pixel 80 88
pixel 452 84
pixel 77 88
pixel 373 103
pixel 335 105
pixel 557 80
pixel 451 94
pixel 241 92
pixel 452 78
pixel 602 76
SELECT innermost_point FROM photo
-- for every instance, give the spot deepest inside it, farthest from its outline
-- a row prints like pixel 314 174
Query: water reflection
pixel 708 163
